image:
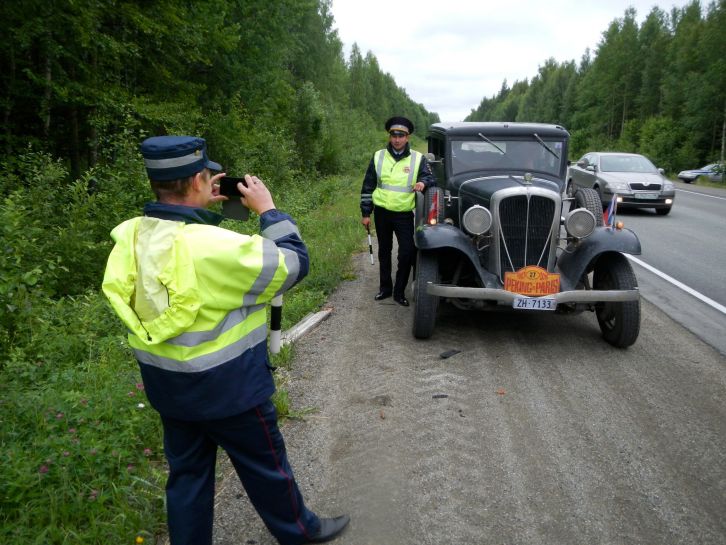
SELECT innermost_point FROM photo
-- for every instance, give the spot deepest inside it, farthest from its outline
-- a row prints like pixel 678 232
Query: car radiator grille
pixel 651 187
pixel 525 229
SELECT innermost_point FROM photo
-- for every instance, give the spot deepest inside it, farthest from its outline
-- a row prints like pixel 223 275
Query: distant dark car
pixel 713 172
pixel 497 234
pixel 637 182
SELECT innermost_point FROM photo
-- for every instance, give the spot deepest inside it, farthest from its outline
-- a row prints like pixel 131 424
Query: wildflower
pixel 84 402
pixel 93 452
pixel 140 387
pixel 148 452
pixel 139 540
pixel 130 467
pixel 59 416
pixel 93 495
pixel 43 469
pixel 66 453
pixel 131 393
pixel 72 430
pixel 141 405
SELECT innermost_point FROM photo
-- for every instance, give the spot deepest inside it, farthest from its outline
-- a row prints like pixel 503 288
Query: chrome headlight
pixel 580 223
pixel 668 186
pixel 477 220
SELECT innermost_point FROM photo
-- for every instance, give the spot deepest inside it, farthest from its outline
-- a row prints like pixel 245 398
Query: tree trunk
pixel 45 109
pixel 8 110
pixel 723 135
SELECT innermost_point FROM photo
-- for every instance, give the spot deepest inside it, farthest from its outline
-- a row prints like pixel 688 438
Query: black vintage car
pixel 495 233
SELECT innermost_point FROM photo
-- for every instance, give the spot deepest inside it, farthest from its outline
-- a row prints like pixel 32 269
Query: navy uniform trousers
pixel 401 223
pixel 256 448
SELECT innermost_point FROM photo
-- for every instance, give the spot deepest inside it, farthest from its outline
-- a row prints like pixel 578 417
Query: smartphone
pixel 228 186
pixel 233 208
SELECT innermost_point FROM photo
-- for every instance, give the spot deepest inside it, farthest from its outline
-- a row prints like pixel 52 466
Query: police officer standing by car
pixel 394 174
pixel 193 296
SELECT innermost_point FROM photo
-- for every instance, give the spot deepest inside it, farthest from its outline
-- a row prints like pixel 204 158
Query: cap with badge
pixel 399 124
pixel 173 157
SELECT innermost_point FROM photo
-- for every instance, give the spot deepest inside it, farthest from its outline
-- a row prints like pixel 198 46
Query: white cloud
pixel 450 55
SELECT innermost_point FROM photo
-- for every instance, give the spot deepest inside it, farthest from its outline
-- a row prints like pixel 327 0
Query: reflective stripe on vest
pixel 190 352
pixel 395 186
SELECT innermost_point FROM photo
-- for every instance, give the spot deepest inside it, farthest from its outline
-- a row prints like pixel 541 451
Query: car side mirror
pixel 431 158
pixel 662 171
pixel 581 164
pixel 591 168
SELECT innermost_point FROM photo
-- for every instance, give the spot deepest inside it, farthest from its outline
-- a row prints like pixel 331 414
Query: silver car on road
pixel 637 182
pixel 713 172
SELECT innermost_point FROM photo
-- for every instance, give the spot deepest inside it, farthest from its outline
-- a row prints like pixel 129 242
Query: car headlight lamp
pixel 580 223
pixel 477 220
pixel 617 186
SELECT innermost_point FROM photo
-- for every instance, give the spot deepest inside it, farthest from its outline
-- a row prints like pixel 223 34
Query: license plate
pixel 534 303
pixel 648 196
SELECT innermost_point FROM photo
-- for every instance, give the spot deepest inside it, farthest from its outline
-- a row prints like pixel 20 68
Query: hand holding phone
pixel 233 208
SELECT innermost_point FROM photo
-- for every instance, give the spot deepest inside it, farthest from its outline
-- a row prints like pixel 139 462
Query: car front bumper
pixel 629 200
pixel 508 297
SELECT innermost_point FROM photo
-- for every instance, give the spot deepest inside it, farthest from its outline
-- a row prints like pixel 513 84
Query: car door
pixel 580 174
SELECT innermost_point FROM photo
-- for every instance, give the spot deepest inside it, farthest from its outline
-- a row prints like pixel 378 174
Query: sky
pixel 449 54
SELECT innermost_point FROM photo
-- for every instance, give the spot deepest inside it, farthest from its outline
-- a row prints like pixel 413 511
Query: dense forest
pixel 658 88
pixel 253 75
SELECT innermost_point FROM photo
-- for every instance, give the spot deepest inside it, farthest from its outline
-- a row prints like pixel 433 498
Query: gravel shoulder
pixel 537 431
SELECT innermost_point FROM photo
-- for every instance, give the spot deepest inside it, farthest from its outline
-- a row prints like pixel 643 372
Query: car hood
pixel 485 186
pixel 632 177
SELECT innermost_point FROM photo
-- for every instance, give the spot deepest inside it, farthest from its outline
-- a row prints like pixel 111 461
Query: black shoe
pixel 330 529
pixel 381 295
pixel 401 300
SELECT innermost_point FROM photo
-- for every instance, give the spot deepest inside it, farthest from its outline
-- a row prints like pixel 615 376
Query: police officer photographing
pixel 393 175
pixel 193 297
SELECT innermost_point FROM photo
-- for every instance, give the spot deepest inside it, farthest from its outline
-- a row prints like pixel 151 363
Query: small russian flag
pixel 608 216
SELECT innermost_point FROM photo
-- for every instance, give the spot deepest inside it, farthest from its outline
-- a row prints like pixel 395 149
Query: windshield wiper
pixel 544 145
pixel 493 144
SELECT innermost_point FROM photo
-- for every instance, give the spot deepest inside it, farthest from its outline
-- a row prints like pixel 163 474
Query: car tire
pixel 425 305
pixel 590 200
pixel 619 321
pixel 663 211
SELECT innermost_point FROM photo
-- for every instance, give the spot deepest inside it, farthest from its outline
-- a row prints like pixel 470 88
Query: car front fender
pixel 577 258
pixel 440 236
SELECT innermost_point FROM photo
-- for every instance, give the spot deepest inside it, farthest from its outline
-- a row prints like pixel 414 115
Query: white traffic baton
pixel 370 244
pixel 275 324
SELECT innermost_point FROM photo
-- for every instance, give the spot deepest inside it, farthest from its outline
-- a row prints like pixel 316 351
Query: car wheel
pixel 663 211
pixel 619 322
pixel 686 180
pixel 425 305
pixel 590 199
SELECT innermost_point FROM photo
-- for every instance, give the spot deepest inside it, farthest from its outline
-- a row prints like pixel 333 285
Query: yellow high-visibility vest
pixel 396 179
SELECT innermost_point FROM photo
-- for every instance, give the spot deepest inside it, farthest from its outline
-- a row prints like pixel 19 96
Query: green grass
pixel 81 457
pixel 705 181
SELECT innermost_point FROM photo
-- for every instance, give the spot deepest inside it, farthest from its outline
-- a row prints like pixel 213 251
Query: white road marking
pixel 701 194
pixel 678 284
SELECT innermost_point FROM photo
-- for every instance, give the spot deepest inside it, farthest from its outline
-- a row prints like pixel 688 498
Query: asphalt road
pixel 682 269
pixel 535 432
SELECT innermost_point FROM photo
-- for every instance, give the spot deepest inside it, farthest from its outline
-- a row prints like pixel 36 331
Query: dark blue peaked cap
pixel 399 123
pixel 172 157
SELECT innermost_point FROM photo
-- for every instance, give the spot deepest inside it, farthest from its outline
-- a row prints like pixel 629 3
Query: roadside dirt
pixel 536 432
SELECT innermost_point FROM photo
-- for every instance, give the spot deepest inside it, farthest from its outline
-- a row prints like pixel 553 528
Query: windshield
pixel 496 154
pixel 626 163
